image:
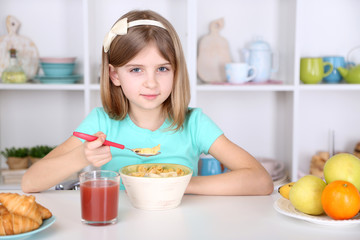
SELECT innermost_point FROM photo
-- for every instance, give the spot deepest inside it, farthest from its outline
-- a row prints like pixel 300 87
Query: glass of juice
pixel 99 190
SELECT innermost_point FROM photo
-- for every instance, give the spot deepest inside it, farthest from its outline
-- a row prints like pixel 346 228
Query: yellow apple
pixel 305 195
pixel 343 166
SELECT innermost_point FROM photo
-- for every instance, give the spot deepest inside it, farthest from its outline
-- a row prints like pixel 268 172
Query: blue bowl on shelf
pixel 58 69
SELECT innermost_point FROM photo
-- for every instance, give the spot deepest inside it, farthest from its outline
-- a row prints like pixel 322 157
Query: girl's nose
pixel 150 81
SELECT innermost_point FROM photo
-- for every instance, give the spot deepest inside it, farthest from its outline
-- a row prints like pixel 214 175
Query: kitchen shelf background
pixel 288 122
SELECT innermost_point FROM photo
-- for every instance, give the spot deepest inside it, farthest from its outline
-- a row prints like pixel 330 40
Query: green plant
pixel 15 152
pixel 40 151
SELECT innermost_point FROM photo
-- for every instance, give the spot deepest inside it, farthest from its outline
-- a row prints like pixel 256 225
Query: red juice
pixel 99 200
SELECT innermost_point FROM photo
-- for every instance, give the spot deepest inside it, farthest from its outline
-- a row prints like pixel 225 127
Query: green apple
pixel 343 166
pixel 305 195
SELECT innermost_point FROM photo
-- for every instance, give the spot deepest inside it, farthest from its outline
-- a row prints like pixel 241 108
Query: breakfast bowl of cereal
pixel 155 186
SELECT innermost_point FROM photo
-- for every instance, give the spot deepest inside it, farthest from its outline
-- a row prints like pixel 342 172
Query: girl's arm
pixel 247 175
pixel 65 160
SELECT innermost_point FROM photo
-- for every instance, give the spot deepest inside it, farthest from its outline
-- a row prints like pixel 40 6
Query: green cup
pixel 312 70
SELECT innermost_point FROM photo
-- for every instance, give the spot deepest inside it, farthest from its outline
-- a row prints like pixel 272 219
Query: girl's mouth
pixel 149 96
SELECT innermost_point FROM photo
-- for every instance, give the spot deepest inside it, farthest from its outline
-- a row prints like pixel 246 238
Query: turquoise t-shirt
pixel 181 147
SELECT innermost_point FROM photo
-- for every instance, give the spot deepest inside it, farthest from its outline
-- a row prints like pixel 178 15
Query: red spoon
pixel 91 138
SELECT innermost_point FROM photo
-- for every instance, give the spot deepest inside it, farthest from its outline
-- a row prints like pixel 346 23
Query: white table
pixel 198 217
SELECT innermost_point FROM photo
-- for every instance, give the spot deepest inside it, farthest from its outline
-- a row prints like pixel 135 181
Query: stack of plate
pixel 275 168
pixel 58 70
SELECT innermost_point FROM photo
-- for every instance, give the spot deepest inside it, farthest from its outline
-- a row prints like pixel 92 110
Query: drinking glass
pixel 99 190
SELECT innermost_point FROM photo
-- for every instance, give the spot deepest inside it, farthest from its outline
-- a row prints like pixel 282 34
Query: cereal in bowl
pixel 157 171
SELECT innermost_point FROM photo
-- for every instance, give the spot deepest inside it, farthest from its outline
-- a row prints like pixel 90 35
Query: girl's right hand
pixel 95 152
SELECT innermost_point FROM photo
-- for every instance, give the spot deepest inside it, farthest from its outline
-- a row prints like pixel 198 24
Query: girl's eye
pixel 163 69
pixel 135 70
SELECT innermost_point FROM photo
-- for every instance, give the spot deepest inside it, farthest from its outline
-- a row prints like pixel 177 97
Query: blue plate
pixel 46 223
pixel 58 80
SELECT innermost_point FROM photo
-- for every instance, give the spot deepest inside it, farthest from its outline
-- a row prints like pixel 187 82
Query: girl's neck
pixel 147 119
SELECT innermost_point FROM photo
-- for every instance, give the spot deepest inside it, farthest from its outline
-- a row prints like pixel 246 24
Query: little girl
pixel 145 95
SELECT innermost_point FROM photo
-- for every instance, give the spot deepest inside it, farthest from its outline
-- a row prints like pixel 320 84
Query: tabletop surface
pixel 197 217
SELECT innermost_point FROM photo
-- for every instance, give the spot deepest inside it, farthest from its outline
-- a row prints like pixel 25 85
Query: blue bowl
pixel 58 69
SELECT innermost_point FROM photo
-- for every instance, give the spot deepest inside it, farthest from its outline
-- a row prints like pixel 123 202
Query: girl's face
pixel 146 80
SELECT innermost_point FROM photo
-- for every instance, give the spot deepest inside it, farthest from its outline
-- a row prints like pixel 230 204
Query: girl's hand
pixel 95 152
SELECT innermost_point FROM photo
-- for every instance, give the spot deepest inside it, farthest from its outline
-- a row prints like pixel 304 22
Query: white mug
pixel 239 72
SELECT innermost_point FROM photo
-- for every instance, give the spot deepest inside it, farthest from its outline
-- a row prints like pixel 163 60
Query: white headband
pixel 121 27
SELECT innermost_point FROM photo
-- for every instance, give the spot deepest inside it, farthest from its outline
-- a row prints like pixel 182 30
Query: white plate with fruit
pixel 285 207
pixel 334 200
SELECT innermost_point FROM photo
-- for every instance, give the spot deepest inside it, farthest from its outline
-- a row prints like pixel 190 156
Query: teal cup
pixel 334 76
pixel 210 166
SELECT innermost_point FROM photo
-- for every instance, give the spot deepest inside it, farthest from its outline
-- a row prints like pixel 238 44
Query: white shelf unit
pixel 259 118
pixel 288 122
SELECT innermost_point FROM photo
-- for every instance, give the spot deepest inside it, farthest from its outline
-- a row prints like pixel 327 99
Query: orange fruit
pixel 340 200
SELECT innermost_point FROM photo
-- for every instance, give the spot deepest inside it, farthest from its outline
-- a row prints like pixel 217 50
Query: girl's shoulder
pixel 194 112
pixel 98 114
pixel 99 111
pixel 196 116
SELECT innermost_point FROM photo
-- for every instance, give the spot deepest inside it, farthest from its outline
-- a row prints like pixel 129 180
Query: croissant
pixel 3 210
pixel 21 205
pixel 44 212
pixel 11 224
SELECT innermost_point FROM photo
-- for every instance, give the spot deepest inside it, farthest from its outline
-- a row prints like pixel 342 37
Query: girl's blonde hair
pixel 125 47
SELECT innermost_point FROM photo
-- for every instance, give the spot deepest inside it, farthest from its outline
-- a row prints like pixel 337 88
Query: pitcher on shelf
pixel 262 58
pixel 351 74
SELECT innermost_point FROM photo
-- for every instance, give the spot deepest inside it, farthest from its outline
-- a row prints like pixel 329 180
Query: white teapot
pixel 262 58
